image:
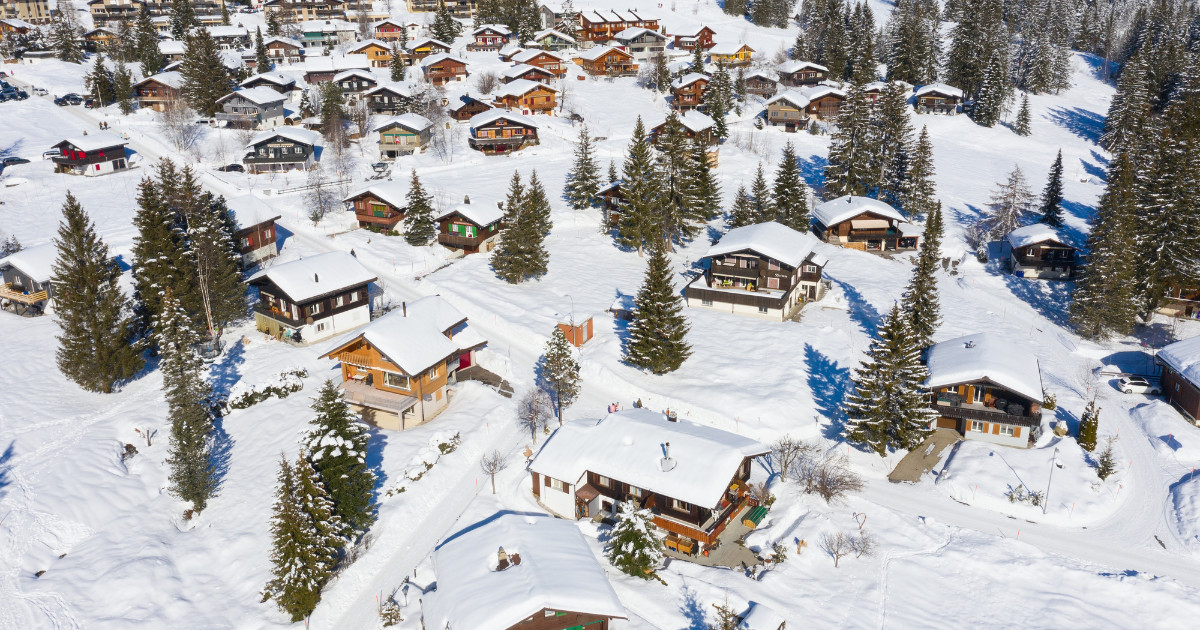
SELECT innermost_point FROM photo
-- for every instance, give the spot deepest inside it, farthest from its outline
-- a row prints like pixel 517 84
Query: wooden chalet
pixel 377 51
pixel 255 233
pixel 794 109
pixel 526 97
pixel 302 10
pixel 527 72
pixel 172 50
pixel 553 40
pixel 470 228
pixel 873 90
pixel 938 98
pixel 602 26
pixel 695 125
pixel 764 270
pixel 379 206
pixel 733 55
pixel 1180 362
pixel 702 38
pixel 1039 251
pixel 322 69
pixel 422 48
pixel 442 68
pixel 864 224
pixel 390 98
pixel 519 572
pixel 230 37
pixel 986 388
pixel 99 39
pixel 282 149
pixel 694 479
pixel 398 371
pixel 606 61
pixel 798 73
pixel 394 30
pixel 464 108
pixel 113 12
pixel 355 81
pixel 26 274
pixel 283 50
pixel 312 298
pixel 324 35
pixel 687 92
pixel 499 132
pixel 544 59
pixel 283 84
pixel 1181 301
pixel 610 198
pixel 761 83
pixel 461 9
pixel 253 108
pixel 99 153
pixel 156 91
pixel 405 134
pixel 489 38
pixel 644 44
pixel 507 53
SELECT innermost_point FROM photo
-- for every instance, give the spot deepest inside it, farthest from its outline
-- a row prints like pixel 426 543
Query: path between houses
pixel 922 459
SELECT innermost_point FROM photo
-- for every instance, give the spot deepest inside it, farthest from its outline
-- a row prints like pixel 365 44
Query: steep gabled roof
pixel 310 278
pixel 261 95
pixel 540 35
pixel 95 141
pixel 249 211
pixel 596 52
pixel 413 122
pixel 412 337
pixel 634 32
pixel 337 63
pixel 728 48
pixel 392 193
pixel 37 262
pixel 275 78
pixel 940 88
pixel 296 134
pixel 690 78
pixel 846 207
pixel 482 215
pixel 483 118
pixel 427 41
pixel 522 68
pixel 796 65
pixel 770 239
pixel 440 57
pixel 496 28
pixel 528 55
pixel 367 43
pixel 355 72
pixel 171 79
pixel 520 87
pixel 692 120
pixel 1036 233
pixel 984 356
pixel 795 98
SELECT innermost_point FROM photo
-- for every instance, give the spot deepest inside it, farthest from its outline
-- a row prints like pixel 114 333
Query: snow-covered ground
pixel 90 541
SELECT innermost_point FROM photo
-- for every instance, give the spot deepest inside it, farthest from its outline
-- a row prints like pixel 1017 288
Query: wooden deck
pixel 7 293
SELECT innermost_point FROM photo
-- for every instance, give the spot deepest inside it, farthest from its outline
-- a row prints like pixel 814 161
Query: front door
pixel 464 360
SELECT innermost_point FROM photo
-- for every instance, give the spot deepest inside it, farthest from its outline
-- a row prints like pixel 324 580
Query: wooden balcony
pixel 459 242
pixel 387 221
pixel 7 292
pixel 277 315
pixel 365 360
pixel 986 414
pixel 735 271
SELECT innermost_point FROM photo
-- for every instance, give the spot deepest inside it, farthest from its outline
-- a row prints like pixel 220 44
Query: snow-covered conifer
pixel 583 180
pixel 634 546
pixel 640 194
pixel 1052 194
pixel 560 371
pixel 657 336
pixel 920 303
pixel 760 193
pixel 742 211
pixel 419 226
pixel 790 192
pixel 337 447
pixel 1021 126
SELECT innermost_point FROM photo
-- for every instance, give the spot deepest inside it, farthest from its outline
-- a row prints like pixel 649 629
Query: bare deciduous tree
pixel 177 122
pixel 320 197
pixel 838 545
pixel 827 475
pixel 787 450
pixel 535 411
pixel 491 464
pixel 863 544
pixel 486 81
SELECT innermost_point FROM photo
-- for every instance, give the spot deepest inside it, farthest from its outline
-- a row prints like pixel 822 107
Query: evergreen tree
pixel 146 44
pixel 893 135
pixel 706 192
pixel 193 477
pixel 204 76
pixel 1104 302
pixel 735 7
pixel 993 91
pixel 760 192
pixel 660 72
pixel 506 261
pixel 657 336
pixel 96 348
pixel 262 61
pixel 920 303
pixel 583 180
pixel 273 24
pixel 640 194
pixel 978 40
pixel 612 172
pixel 333 113
pixel 1089 425
pixel 678 219
pixel 1021 126
pixel 1052 194
pixel 123 88
pixel 560 371
pixel 791 197
pixel 216 260
pixel 742 213
pixel 634 547
pixel 396 64
pixel 912 43
pixel 337 447
pixel 183 19
pixel 225 17
pixel 570 20
pixel 1130 110
pixel 852 147
pixel 863 62
pixel 64 37
pixel 444 27
pixel 536 215
pixel 697 64
pixel 522 254
pixel 919 197
pixel 515 199
pixel 1009 204
pixel 419 226
pixel 889 408
pixel 305 541
pixel 100 82
pixel 799 49
pixel 160 258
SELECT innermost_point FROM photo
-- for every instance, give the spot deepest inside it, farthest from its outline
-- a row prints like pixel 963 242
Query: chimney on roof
pixel 467 200
pixel 667 463
pixel 501 560
pixel 316 278
pixel 404 308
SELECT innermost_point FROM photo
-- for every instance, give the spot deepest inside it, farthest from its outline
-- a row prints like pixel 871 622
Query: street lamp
pixel 1053 463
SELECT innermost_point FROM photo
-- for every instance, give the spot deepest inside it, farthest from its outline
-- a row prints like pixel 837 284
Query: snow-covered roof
pixel 364 44
pixel 762 74
pixel 761 617
pixel 427 41
pixel 15 23
pixel 439 57
pixel 540 35
pixel 795 98
pixel 689 79
pixel 1183 357
pixel 796 65
pixel 277 78
pixel 410 121
pixel 692 120
pixel 509 50
pixel 558 572
pixel 940 88
pixel 403 88
pixel 521 68
pixel 984 356
pixel 304 136
pixel 171 47
pixel 326 26
pixel 846 207
pixel 520 87
pixel 170 79
pixel 95 141
pixel 497 28
pixel 814 92
pixel 261 95
pixel 597 52
pixel 532 53
pixel 37 262
pixel 394 193
pixel 875 86
pixel 728 48
pixel 770 239
pixel 483 118
pixel 634 32
pixel 249 211
pixel 480 214
pixel 394 22
pixel 414 336
pixel 355 72
pixel 277 39
pixel 1036 233
pixel 337 63
pixel 309 278
pixel 630 446
pixel 227 30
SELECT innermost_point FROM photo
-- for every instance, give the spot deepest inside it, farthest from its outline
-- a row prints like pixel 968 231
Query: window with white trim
pixel 556 484
pixel 976 425
pixel 603 481
pixel 313 309
pixel 392 379
pixel 339 301
pixel 636 491
pixel 1007 429
pixel 682 506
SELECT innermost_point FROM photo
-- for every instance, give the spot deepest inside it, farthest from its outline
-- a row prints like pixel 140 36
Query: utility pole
pixel 1053 463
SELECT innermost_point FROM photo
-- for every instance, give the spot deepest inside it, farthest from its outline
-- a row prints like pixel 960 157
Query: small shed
pixel 623 307
pixel 577 332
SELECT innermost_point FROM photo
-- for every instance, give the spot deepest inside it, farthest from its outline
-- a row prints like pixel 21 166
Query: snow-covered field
pixel 89 541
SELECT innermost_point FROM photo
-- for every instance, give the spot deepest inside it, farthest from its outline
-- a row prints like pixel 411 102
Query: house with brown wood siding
pixel 526 97
pixel 702 38
pixel 799 73
pixel 602 26
pixel 865 224
pixel 312 298
pixel 498 132
pixel 155 91
pixel 471 228
pixel 25 275
pixel 606 61
pixel 1180 363
pixel 938 98
pixel 380 205
pixel 687 92
pixel 546 60
pixel 255 235
pixel 443 68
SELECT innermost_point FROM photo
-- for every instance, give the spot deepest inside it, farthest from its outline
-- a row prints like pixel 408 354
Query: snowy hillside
pixel 89 539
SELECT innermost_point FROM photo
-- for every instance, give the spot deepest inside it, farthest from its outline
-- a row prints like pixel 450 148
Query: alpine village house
pixel 282 149
pixel 154 92
pixel 470 228
pixel 312 298
pixel 1180 362
pixel 1039 251
pixel 498 132
pixel 400 135
pixel 938 98
pixel 694 479
pixel 986 388
pixel 26 289
pixel 98 153
pixel 255 235
pixel 397 371
pixel 864 224
pixel 252 108
pixel 379 206
pixel 764 270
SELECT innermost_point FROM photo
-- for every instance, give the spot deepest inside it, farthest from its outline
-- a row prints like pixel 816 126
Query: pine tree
pixel 889 408
pixel 515 199
pixel 99 81
pixel 64 37
pixel 679 218
pixel 791 197
pixel 506 260
pixel 852 147
pixel 396 64
pixel 193 476
pixel 160 258
pixel 123 88
pixel 612 172
pixel 1089 425
pixel 706 192
pixel 919 197
pixel 1021 126
pixel 305 540
pixel 912 43
pixel 634 547
pixel 640 193
pixel 1052 194
pixel 697 64
pixel 583 180
pixel 1130 110
pixel 204 76
pixel 216 259
pixel 799 49
pixel 920 303
pixel 262 61
pixel 536 216
pixel 444 27
pixel 146 44
pixel 225 17
pixel 978 40
pixel 657 336
pixel 1104 302
pixel 183 19
pixel 337 447
pixel 96 348
pixel 419 226
pixel 735 7
pixel 994 90
pixel 333 112
pixel 742 213
pixel 273 24
pixel 1010 202
pixel 560 370
pixel 764 207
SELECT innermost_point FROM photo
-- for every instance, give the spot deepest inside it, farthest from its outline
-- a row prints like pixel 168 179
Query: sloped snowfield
pixel 89 541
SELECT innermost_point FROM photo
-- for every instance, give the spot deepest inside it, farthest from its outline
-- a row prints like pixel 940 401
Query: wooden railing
pixel 362 359
pixel 7 292
pixel 987 414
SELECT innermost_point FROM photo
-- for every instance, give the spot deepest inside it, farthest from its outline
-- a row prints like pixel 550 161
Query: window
pixel 601 480
pixel 561 486
pixel 339 301
pixel 762 309
pixel 636 491
pixel 810 269
pixel 682 506
pixel 313 309
pixel 433 372
pixel 772 283
pixel 353 295
pixel 320 326
pixel 978 426
pixel 706 302
pixel 1006 429
pixel 245 242
pixel 399 381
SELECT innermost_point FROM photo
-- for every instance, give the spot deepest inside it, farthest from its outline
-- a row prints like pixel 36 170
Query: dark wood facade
pixel 889 238
pixel 703 38
pixel 803 77
pixel 456 231
pixel 983 406
pixel 445 70
pixel 690 95
pixel 274 304
pixel 761 84
pixel 386 100
pixel 279 153
pixel 467 108
pixel 601 26
pixel 547 619
pixel 502 135
pixel 1047 259
pixel 370 210
pixel 1180 392
pixel 611 63
pixel 937 102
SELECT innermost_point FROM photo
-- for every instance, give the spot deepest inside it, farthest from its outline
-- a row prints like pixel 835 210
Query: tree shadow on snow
pixel 812 169
pixel 493 517
pixel 225 373
pixel 5 458
pixel 1082 122
pixel 375 445
pixel 828 382
pixel 221 453
pixel 692 610
pixel 1096 65
pixel 1050 298
pixel 12 149
pixel 282 234
pixel 1081 211
pixel 1098 170
pixel 861 311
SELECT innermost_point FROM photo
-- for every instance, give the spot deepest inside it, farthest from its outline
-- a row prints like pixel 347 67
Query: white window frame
pixel 389 376
pixel 682 506
pixel 977 425
pixel 1007 430
pixel 604 481
pixel 313 309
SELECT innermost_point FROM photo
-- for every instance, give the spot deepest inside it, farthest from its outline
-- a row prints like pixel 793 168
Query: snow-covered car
pixel 40 91
pixel 1137 385
pixel 232 168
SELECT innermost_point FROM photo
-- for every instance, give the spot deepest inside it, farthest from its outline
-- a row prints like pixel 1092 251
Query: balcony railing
pixel 277 315
pixel 7 292
pixel 453 240
pixel 1044 260
pixel 988 414
pixel 735 271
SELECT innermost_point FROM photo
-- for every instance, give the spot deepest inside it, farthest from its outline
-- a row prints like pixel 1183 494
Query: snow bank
pixel 1168 432
pixel 1185 498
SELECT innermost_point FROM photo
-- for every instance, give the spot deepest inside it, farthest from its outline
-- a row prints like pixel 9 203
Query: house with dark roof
pixel 99 153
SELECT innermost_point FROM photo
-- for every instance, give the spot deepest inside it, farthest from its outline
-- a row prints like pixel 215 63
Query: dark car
pixel 232 168
pixel 22 95
pixel 12 159
pixel 73 99
pixel 61 101
pixel 90 103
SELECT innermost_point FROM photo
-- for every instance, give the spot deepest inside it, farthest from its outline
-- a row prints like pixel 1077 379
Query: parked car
pixel 22 94
pixel 1137 385
pixel 12 159
pixel 40 91
pixel 232 168
pixel 379 167
pixel 53 153
pixel 61 101
pixel 90 103
pixel 73 99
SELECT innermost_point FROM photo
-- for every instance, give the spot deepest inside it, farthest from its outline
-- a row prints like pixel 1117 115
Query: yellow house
pixel 378 52
pixel 731 54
